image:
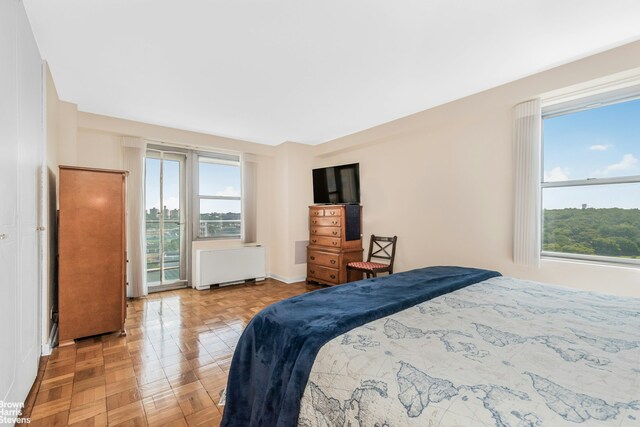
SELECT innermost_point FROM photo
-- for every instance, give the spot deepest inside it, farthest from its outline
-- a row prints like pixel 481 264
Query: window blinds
pixel 527 137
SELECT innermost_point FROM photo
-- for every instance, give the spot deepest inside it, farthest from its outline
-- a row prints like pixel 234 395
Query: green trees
pixel 606 232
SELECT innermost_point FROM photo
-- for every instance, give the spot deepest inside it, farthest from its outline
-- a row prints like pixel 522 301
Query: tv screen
pixel 337 184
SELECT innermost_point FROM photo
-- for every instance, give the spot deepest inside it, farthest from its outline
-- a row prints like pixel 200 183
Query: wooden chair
pixel 385 248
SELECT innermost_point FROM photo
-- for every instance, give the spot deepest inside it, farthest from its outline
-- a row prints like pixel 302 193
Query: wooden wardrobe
pixel 91 252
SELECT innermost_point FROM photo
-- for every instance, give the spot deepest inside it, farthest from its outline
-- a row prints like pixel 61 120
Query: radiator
pixel 228 266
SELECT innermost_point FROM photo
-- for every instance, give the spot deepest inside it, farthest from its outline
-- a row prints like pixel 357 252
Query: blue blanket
pixel 276 351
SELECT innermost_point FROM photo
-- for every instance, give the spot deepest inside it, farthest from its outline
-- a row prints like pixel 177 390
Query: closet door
pixel 30 153
pixel 9 192
pixel 21 145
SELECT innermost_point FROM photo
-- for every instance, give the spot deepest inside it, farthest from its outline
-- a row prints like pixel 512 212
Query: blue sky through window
pixel 215 180
pixel 598 143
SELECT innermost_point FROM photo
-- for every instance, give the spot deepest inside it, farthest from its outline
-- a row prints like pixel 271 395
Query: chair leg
pixel 374 274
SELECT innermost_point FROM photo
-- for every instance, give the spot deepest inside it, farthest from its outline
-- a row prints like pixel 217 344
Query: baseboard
pixel 287 280
pixel 237 282
pixel 170 287
pixel 48 346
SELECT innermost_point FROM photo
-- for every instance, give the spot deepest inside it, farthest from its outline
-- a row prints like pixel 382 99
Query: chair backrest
pixel 383 248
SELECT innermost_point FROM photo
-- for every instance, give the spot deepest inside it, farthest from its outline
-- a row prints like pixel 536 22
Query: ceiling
pixel 306 71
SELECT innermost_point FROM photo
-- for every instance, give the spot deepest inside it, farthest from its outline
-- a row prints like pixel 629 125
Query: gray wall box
pixel 301 251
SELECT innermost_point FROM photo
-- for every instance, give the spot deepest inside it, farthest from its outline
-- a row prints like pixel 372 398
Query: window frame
pixel 224 159
pixel 572 106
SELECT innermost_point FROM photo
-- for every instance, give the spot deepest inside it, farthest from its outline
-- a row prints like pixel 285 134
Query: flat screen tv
pixel 337 184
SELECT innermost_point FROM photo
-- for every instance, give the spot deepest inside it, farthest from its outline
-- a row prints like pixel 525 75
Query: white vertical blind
pixel 134 150
pixel 527 140
pixel 249 201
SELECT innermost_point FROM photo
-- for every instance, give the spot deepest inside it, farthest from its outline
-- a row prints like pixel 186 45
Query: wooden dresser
pixel 92 252
pixel 335 239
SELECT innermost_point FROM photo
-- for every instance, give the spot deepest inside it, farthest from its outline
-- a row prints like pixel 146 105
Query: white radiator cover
pixel 229 265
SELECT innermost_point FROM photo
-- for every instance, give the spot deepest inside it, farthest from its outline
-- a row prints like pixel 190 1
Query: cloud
pixel 229 192
pixel 599 147
pixel 629 162
pixel 556 174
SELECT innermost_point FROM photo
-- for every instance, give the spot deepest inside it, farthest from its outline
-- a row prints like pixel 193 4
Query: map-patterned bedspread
pixel 502 352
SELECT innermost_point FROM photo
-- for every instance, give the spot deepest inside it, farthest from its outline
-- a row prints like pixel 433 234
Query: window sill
pixel 591 260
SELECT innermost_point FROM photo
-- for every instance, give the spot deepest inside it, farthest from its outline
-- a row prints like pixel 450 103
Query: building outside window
pixel 219 198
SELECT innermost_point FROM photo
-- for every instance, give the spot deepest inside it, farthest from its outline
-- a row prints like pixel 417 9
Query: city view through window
pixel 597 146
pixel 219 204
pixel 164 227
pixel 220 199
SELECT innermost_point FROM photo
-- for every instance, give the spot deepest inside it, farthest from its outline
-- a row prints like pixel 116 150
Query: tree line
pixel 606 232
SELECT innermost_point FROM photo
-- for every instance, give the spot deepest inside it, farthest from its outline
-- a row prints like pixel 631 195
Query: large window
pixel 591 183
pixel 219 204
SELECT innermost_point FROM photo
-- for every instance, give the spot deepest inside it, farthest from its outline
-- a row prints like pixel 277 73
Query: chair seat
pixel 363 265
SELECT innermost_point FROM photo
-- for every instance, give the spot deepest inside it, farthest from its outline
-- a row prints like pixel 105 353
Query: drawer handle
pixel 316 213
pixel 312 271
pixel 334 222
pixel 312 258
pixel 313 240
pixel 332 212
pixel 333 276
pixel 334 243
pixel 335 233
pixel 314 231
pixel 333 261
pixel 314 221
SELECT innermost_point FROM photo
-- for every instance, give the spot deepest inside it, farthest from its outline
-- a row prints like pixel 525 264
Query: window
pixel 219 200
pixel 165 203
pixel 591 180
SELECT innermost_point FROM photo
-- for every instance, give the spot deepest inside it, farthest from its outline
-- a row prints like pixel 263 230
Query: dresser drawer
pixel 325 231
pixel 323 274
pixel 332 242
pixel 326 221
pixel 316 212
pixel 333 212
pixel 324 259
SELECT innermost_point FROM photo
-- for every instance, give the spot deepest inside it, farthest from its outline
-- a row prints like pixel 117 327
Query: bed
pixel 486 350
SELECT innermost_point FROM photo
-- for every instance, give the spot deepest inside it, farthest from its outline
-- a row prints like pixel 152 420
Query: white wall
pixel 52 121
pixel 100 150
pixel 67 134
pixel 443 180
pixel 292 194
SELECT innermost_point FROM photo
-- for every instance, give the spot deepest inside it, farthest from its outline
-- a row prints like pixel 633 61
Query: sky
pixel 598 143
pixel 215 180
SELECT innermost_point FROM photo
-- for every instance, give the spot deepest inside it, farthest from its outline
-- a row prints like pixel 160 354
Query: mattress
pixel 503 352
pixel 276 351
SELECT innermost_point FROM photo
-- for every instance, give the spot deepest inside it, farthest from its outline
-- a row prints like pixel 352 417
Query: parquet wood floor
pixel 168 371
